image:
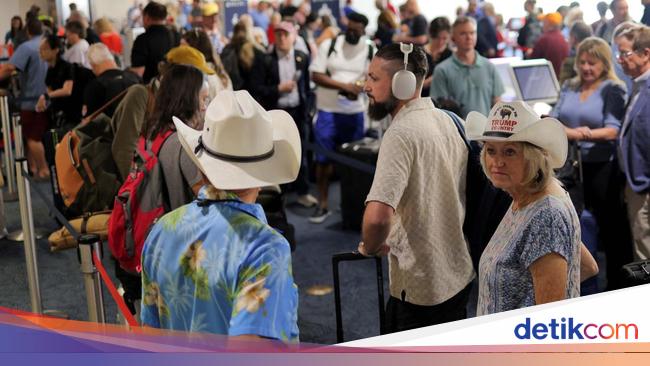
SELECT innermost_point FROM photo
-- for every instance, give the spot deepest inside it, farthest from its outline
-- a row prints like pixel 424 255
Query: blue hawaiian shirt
pixel 214 265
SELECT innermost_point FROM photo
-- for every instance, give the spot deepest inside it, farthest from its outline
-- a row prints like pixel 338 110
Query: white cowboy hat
pixel 242 145
pixel 517 122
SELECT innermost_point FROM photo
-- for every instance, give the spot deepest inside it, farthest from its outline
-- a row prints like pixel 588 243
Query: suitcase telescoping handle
pixel 356 256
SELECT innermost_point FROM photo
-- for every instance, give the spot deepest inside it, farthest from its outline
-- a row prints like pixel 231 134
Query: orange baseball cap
pixel 553 18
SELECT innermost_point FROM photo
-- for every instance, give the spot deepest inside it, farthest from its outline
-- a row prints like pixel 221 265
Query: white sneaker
pixel 307 200
pixel 319 215
pixel 3 233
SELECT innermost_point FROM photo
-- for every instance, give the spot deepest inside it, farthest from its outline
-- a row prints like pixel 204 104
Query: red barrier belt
pixel 126 313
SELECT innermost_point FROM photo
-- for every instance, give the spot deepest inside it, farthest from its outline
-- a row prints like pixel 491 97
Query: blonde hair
pixel 386 17
pixel 574 15
pixel 538 172
pixel 599 49
pixel 103 25
pixel 245 45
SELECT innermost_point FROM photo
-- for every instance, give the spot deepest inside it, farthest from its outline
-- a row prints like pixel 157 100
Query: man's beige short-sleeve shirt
pixel 421 174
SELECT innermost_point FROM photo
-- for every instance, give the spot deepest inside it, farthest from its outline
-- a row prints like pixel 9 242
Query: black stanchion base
pixel 18 234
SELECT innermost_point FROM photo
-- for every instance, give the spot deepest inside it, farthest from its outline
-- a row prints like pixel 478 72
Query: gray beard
pixel 378 111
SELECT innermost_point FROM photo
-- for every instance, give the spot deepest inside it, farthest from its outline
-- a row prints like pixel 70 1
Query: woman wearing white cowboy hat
pixel 534 255
pixel 219 250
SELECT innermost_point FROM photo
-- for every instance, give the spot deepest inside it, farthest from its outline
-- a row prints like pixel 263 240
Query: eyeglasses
pixel 624 55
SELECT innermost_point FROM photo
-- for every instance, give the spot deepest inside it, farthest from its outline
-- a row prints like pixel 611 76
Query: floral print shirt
pixel 549 225
pixel 214 265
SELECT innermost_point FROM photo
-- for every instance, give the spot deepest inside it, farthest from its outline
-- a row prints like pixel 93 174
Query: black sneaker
pixel 319 215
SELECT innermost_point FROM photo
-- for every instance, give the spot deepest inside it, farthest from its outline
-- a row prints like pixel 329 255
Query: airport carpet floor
pixel 61 284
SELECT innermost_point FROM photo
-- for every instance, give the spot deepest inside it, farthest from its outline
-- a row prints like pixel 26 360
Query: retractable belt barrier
pixel 26 99
pixel 340 158
pixel 89 252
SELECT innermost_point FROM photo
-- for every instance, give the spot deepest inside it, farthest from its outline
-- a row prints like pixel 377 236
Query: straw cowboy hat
pixel 517 122
pixel 242 145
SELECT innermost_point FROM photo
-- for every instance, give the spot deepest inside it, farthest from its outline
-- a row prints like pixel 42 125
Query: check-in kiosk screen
pixel 536 82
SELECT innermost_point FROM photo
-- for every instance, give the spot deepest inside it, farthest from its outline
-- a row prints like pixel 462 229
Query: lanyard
pixel 203 202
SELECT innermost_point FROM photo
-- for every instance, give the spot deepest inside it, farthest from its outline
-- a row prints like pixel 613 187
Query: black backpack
pixel 114 86
pixel 485 205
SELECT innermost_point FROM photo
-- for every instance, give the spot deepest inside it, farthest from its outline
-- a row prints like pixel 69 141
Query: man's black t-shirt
pixel 56 77
pixel 417 25
pixel 150 48
pixel 107 85
pixel 431 65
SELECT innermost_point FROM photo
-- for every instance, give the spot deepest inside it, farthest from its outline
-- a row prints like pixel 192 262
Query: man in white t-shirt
pixel 77 45
pixel 339 70
pixel 416 206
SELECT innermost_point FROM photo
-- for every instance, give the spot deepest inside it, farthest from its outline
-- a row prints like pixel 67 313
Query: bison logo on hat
pixel 502 120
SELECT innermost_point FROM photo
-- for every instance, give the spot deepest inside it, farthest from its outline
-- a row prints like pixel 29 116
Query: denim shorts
pixel 333 129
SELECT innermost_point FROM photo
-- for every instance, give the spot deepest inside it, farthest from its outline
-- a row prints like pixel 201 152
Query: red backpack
pixel 138 205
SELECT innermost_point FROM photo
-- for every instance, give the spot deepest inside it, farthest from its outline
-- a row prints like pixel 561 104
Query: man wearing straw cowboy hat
pixel 215 265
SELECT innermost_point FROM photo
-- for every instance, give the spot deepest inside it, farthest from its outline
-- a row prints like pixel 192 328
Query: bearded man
pixel 416 206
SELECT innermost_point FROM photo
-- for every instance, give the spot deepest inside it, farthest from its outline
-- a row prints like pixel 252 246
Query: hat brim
pixel 206 70
pixel 282 167
pixel 547 133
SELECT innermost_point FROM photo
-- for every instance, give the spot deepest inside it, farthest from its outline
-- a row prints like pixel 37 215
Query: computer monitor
pixel 502 64
pixel 535 81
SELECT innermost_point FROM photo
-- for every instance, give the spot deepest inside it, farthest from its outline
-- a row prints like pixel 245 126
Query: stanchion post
pixel 6 136
pixel 88 244
pixel 27 219
pixel 37 233
pixel 18 134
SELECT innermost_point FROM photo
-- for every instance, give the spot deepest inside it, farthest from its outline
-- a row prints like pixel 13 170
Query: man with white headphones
pixel 415 208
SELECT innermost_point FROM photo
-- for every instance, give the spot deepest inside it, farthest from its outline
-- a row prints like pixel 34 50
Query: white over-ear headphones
pixel 403 85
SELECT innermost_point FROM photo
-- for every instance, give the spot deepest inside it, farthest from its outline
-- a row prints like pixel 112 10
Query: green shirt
pixel 126 123
pixel 473 87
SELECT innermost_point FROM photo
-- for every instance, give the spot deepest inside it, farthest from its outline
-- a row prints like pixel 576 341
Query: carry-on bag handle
pixel 356 256
pixel 86 120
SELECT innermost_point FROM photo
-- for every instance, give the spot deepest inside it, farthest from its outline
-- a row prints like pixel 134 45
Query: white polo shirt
pixel 348 64
pixel 77 54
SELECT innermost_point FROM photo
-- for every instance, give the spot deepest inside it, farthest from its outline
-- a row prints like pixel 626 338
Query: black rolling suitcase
pixel 637 273
pixel 356 256
pixel 355 184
